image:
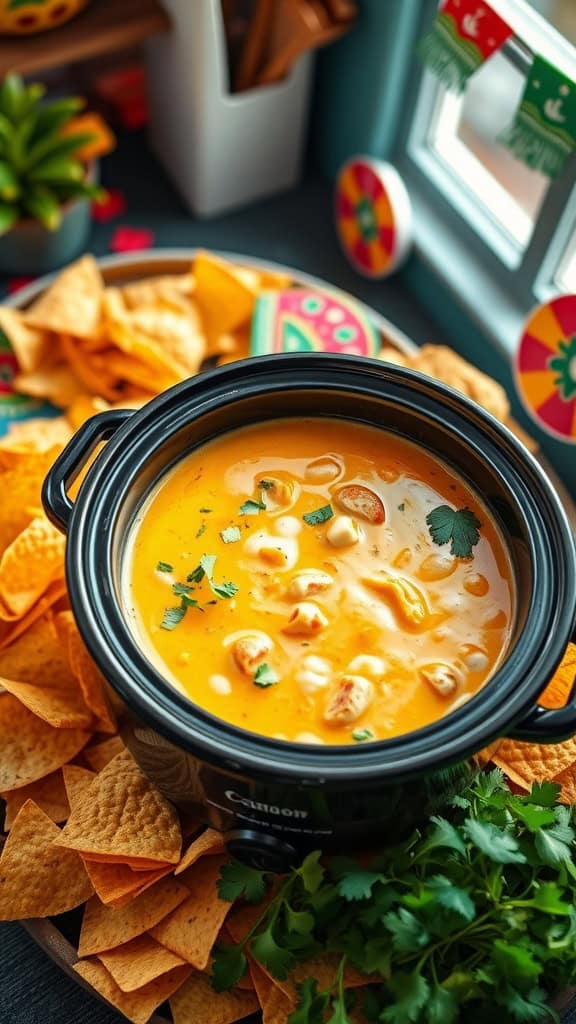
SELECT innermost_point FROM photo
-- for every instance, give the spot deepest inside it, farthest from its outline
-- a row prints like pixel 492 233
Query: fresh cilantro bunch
pixel 472 920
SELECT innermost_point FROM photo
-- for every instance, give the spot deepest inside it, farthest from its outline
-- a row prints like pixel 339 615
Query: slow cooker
pixel 275 800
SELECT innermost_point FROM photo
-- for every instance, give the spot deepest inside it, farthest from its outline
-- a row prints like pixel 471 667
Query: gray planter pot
pixel 28 248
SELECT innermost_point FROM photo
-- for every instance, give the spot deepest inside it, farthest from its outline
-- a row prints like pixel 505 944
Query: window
pixel 473 200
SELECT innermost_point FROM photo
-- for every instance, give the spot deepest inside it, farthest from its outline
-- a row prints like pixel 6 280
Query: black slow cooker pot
pixel 274 800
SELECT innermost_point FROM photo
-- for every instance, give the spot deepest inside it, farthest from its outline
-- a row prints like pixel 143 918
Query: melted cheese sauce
pixel 420 629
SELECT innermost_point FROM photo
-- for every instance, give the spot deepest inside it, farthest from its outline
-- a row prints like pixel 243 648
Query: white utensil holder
pixel 222 149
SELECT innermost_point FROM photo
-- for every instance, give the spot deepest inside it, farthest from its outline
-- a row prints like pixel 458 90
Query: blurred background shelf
pixel 102 28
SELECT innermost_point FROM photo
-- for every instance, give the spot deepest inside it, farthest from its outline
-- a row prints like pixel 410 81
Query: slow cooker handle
pixel 548 725
pixel 71 461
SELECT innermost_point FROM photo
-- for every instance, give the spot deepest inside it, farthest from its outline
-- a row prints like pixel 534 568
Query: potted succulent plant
pixel 47 176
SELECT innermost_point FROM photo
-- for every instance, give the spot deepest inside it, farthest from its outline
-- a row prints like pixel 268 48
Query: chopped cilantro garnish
pixel 401 507
pixel 265 676
pixel 362 735
pixel 191 602
pixel 164 567
pixel 172 617
pixel 230 535
pixel 319 515
pixel 458 526
pixel 251 507
pixel 227 589
pixel 201 529
pixel 181 588
pixel 196 576
pixel 266 484
pixel 207 563
pixel 205 510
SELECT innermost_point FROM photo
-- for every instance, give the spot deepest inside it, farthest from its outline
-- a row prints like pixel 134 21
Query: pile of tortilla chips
pixel 81 339
pixel 83 824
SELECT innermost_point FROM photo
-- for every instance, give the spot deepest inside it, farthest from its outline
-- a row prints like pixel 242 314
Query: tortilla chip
pixel 28 566
pixel 36 880
pixel 117 885
pixel 136 1006
pixel 83 408
pixel 76 781
pixel 93 686
pixel 32 749
pixel 22 488
pixel 12 629
pixel 57 384
pixel 171 291
pixel 197 1001
pixel 446 365
pixel 138 962
pixel 71 305
pixel 560 686
pixel 191 929
pixel 526 763
pixel 33 437
pixel 99 755
pixel 276 1005
pixel 104 928
pixel 225 298
pixel 567 779
pixel 49 794
pixel 28 343
pixel 124 818
pixel 278 280
pixel 208 842
pixel 173 335
pixel 91 369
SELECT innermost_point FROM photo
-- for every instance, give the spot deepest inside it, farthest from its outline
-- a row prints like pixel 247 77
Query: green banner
pixel 543 134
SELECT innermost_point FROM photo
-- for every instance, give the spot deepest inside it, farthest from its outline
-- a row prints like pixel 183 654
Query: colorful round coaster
pixel 545 367
pixel 373 216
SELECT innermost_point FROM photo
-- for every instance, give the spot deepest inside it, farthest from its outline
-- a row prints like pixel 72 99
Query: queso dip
pixel 319 581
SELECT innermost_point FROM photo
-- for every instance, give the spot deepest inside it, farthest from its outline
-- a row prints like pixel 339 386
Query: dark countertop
pixel 295 229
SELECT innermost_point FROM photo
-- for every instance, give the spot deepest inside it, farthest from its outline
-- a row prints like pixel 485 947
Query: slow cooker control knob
pixel 261 851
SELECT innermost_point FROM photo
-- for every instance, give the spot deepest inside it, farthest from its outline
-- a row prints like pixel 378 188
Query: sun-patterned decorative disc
pixel 546 367
pixel 373 216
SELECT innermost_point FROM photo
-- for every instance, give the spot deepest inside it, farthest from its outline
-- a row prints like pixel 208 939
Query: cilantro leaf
pixel 496 844
pixel 515 963
pixel 311 872
pixel 312 1004
pixel 172 617
pixel 265 676
pixel 207 563
pixel 251 507
pixel 164 567
pixel 319 515
pixel 460 526
pixel 411 993
pixel 548 899
pixel 240 880
pixel 552 847
pixel 196 576
pixel 266 950
pixel 205 510
pixel 228 966
pixel 266 484
pixel 452 897
pixel 358 884
pixel 441 1007
pixel 444 835
pixel 181 588
pixel 545 794
pixel 225 589
pixel 362 735
pixel 524 1008
pixel 230 535
pixel 190 602
pixel 300 922
pixel 201 529
pixel 408 933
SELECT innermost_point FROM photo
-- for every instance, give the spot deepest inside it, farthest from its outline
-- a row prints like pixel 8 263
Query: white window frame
pixel 496 279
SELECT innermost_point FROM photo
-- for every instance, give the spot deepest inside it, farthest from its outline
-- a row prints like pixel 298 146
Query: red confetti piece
pixel 16 283
pixel 113 205
pixel 126 239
